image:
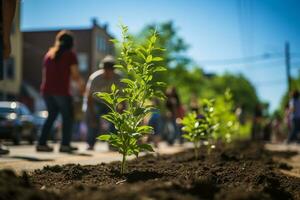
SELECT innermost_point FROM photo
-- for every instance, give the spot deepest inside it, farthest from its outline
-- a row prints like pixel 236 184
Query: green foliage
pixel 140 66
pixel 243 92
pixel 189 78
pixel 295 85
pixel 218 123
pixel 200 128
pixel 228 124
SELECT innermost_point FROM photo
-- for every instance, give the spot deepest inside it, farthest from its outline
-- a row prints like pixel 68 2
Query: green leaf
pixel 104 137
pixel 113 87
pixel 145 129
pixel 153 38
pixel 186 136
pixel 111 117
pixel 120 99
pixel 115 41
pixel 159 69
pixel 160 84
pixel 129 82
pixel 159 49
pixel 104 96
pixel 136 135
pixel 140 54
pixel 119 66
pixel 157 59
pixel 146 147
pixel 149 59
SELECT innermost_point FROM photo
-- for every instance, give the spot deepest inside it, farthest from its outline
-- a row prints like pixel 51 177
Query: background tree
pixel 188 77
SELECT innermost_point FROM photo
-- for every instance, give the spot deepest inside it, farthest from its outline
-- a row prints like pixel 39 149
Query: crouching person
pixel 99 81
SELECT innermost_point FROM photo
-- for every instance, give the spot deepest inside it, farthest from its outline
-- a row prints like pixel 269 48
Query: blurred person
pixel 194 105
pixel 174 113
pixel 155 121
pixel 294 106
pixel 257 123
pixel 287 118
pixel 8 8
pixel 99 81
pixel 277 128
pixel 78 114
pixel 59 67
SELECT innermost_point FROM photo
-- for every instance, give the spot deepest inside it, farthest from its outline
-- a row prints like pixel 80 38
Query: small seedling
pixel 199 128
pixel 139 67
pixel 228 122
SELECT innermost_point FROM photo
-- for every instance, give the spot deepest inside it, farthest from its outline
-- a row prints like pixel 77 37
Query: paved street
pixel 24 157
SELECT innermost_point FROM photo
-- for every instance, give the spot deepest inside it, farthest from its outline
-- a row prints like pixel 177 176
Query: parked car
pixel 16 122
pixel 40 118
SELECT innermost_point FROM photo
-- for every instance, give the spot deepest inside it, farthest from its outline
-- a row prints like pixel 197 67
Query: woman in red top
pixel 60 66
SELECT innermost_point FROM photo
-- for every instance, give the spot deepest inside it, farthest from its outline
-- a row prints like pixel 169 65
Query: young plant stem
pixel 123 164
pixel 196 149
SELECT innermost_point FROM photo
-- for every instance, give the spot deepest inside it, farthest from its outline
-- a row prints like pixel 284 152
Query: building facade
pixel 10 86
pixel 91 45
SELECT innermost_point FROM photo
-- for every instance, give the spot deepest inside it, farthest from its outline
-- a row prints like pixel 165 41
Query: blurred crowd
pixel 281 127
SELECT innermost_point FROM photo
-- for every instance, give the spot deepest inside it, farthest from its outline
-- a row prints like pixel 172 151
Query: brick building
pixel 10 86
pixel 92 44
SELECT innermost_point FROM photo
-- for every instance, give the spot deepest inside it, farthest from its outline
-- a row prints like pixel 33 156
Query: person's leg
pixel 105 126
pixel 93 127
pixel 91 138
pixel 293 133
pixel 52 114
pixel 66 108
pixel 297 131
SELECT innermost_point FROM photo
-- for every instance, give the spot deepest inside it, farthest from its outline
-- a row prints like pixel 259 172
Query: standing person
pixel 99 81
pixel 294 106
pixel 7 9
pixel 174 113
pixel 256 130
pixel 155 121
pixel 60 66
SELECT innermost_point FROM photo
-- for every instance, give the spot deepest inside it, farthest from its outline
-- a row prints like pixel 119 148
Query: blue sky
pixel 214 29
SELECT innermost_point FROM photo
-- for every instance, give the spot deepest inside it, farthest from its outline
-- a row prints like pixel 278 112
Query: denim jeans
pixel 56 105
pixel 295 130
pixel 155 122
pixel 99 109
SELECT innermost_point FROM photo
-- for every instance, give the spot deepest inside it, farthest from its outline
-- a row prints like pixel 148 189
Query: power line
pixel 270 83
pixel 243 60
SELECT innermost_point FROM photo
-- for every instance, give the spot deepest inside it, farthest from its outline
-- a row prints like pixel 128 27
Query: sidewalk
pixel 24 157
pixel 293 161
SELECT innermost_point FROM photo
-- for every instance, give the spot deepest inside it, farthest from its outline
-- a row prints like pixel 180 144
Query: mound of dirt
pixel 243 171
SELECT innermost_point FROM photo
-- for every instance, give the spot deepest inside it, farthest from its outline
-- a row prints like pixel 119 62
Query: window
pixel 101 43
pixel 82 62
pixel 9 68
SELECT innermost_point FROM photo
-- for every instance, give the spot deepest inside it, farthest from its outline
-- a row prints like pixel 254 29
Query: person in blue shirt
pixel 294 106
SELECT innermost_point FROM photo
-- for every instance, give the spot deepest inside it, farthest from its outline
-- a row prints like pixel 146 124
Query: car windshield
pixel 6 110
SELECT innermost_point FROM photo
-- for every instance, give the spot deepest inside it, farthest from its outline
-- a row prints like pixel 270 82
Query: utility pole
pixel 288 65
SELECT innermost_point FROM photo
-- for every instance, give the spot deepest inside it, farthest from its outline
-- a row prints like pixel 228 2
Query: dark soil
pixel 243 172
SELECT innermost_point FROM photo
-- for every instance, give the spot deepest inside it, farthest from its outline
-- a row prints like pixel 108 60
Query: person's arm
pixel 90 105
pixel 75 75
pixel 8 10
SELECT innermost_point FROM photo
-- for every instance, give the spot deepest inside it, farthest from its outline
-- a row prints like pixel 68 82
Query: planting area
pixel 243 171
